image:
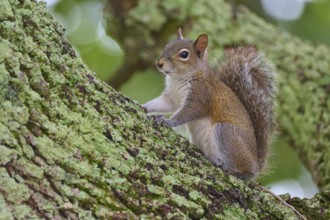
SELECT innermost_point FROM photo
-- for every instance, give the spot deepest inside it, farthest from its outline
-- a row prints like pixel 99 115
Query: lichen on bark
pixel 74 148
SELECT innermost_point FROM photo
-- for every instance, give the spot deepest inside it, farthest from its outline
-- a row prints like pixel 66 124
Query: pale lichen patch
pixel 8 185
pixel 6 12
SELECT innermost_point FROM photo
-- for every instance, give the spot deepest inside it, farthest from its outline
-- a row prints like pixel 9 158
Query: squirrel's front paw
pixel 145 108
pixel 161 120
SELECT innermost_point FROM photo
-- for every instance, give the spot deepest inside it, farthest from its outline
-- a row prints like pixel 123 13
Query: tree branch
pixel 73 148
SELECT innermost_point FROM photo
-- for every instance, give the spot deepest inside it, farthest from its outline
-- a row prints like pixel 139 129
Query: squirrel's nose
pixel 160 64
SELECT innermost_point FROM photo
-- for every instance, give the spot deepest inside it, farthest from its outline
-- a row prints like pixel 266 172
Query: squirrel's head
pixel 183 57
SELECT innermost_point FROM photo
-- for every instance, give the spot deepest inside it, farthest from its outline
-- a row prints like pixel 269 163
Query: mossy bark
pixel 74 148
pixel 303 67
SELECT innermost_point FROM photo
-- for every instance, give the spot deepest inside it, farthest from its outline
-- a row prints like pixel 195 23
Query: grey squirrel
pixel 229 111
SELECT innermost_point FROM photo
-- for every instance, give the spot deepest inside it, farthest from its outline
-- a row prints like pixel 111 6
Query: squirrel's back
pixel 251 77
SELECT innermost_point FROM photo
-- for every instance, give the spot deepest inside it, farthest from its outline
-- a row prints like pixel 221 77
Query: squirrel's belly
pixel 202 135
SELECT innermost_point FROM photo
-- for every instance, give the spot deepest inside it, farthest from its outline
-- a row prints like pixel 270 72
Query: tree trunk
pixel 73 148
pixel 303 67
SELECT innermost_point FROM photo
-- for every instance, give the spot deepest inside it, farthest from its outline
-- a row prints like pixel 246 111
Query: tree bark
pixel 303 67
pixel 74 148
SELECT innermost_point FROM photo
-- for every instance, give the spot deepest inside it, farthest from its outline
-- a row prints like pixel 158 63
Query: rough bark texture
pixel 303 67
pixel 73 148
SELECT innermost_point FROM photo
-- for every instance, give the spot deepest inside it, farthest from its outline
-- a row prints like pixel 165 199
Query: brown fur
pixel 221 103
pixel 222 106
pixel 229 113
pixel 257 94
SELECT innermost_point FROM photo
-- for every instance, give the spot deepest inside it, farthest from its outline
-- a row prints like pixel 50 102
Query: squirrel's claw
pixel 160 120
pixel 144 109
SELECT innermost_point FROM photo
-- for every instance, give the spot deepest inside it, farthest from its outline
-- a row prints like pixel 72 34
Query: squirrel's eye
pixel 184 54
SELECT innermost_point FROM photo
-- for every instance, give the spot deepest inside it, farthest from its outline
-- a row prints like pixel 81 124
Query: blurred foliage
pixel 144 86
pixel 313 25
pixel 83 20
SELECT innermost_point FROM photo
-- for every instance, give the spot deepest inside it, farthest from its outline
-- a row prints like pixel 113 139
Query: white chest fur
pixel 177 90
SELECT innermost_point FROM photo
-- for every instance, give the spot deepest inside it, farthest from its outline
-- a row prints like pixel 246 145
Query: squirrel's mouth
pixel 164 71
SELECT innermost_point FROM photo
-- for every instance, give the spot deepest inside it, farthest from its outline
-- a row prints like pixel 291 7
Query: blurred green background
pixel 309 20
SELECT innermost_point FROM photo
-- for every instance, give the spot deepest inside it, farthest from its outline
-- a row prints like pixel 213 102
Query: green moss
pixel 156 190
pixel 169 180
pixel 75 148
pixel 9 185
pixel 5 11
pixel 4 51
pixel 5 211
pixel 192 208
pixel 30 169
pixel 153 18
pixel 22 212
pixel 199 197
pixel 233 212
pixel 7 155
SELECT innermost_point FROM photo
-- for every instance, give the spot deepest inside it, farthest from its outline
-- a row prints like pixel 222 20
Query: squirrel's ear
pixel 201 44
pixel 179 34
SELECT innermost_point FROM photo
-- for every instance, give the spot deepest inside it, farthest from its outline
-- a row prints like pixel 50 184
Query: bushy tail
pixel 252 79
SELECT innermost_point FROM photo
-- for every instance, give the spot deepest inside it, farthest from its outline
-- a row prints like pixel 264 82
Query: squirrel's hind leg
pixel 237 147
